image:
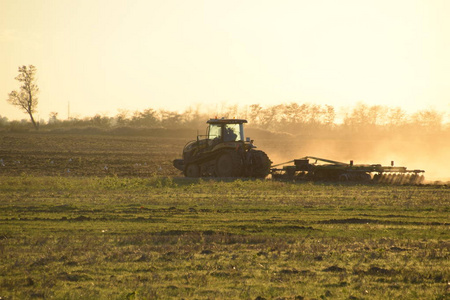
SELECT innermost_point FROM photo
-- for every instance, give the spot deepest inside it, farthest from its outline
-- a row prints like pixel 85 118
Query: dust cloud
pixel 429 152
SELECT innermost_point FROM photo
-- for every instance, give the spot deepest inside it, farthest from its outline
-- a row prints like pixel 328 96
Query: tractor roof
pixel 226 121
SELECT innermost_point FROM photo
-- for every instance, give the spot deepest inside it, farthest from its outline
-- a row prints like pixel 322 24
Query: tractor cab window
pixel 214 131
pixel 233 132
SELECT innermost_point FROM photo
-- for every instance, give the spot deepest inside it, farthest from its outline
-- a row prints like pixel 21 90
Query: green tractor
pixel 223 153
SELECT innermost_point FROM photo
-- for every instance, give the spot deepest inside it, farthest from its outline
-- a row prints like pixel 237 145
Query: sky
pixel 102 56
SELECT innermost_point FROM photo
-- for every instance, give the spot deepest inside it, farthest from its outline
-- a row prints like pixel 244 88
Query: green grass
pixel 162 238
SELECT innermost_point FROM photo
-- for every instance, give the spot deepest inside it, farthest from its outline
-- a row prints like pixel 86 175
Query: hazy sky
pixel 102 56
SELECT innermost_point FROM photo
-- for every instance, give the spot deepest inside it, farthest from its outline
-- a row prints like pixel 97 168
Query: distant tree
pixel 330 115
pixel 315 114
pixel 192 118
pixel 254 114
pixel 100 121
pixel 377 115
pixel 122 118
pixel 361 117
pixel 291 113
pixel 26 98
pixel 147 118
pixel 397 117
pixel 230 111
pixel 170 119
pixel 3 121
pixel 269 117
pixel 430 120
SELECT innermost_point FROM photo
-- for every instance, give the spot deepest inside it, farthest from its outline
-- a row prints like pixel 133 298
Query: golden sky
pixel 105 55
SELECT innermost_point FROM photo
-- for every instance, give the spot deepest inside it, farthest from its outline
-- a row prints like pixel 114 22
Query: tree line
pixel 293 118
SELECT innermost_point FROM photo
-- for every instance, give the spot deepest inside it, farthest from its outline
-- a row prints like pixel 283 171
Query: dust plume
pixel 429 152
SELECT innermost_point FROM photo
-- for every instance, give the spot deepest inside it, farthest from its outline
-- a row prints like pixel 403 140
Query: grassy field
pixel 129 232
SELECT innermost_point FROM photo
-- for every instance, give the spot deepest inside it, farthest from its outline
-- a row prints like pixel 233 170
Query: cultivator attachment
pixel 321 169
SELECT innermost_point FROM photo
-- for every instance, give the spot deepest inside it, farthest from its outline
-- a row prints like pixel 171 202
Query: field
pixel 107 217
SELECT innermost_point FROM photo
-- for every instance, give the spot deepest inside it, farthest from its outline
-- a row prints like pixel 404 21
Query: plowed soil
pixel 88 155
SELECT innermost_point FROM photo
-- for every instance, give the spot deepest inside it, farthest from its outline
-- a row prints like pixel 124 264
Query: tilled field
pixel 87 155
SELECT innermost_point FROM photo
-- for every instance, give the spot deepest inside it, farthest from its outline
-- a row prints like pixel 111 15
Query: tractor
pixel 223 152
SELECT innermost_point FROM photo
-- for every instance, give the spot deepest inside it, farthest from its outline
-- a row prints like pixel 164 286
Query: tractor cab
pixel 226 130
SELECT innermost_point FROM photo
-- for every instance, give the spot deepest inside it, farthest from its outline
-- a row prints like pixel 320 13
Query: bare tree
pixel 26 98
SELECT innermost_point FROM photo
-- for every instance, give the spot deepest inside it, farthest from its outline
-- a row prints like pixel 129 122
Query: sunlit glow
pixel 101 56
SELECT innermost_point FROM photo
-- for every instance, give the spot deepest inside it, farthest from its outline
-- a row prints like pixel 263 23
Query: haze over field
pixel 101 56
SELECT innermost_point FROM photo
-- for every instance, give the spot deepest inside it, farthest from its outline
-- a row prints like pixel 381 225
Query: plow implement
pixel 320 169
